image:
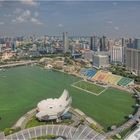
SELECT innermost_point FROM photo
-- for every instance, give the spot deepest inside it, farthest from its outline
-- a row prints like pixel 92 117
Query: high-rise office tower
pixel 91 43
pixel 130 43
pixel 117 54
pixel 133 56
pixel 13 45
pixel 133 60
pixel 134 43
pixel 94 43
pixel 0 48
pixel 65 42
pixel 137 44
pixel 103 44
pixel 123 42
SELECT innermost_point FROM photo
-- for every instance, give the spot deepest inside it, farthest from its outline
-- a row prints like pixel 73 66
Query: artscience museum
pixel 51 109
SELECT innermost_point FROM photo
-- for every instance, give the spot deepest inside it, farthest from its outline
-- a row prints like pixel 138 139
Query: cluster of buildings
pixel 103 51
pixel 60 63
pixel 133 56
pixel 7 48
pixel 100 51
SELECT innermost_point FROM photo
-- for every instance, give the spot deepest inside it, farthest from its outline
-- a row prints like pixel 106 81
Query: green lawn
pixel 21 88
pixel 35 122
pixel 89 87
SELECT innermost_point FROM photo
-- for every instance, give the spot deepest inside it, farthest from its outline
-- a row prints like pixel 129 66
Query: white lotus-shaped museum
pixel 50 109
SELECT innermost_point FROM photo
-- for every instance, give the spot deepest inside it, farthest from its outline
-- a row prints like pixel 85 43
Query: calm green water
pixel 21 88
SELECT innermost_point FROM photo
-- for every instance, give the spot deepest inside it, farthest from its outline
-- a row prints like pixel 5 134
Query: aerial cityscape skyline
pixel 110 18
pixel 69 70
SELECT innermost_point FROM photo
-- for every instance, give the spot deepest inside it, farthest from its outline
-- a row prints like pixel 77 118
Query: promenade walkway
pixel 20 63
pixel 68 132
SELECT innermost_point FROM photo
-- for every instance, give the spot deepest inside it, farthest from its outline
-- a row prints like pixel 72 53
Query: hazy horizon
pixel 78 18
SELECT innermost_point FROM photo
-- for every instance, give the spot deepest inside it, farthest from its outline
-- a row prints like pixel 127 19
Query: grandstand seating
pixel 89 73
pixel 101 76
pixel 125 81
pixel 95 77
pixel 106 77
pixel 113 79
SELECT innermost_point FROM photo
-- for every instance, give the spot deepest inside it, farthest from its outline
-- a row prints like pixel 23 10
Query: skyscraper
pixel 137 44
pixel 123 42
pixel 13 45
pixel 93 43
pixel 130 43
pixel 117 54
pixel 133 60
pixel 103 44
pixel 65 42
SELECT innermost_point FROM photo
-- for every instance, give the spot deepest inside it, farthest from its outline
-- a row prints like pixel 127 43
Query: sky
pixel 110 18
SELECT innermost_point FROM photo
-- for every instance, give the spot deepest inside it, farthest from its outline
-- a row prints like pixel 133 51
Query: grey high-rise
pixel 65 42
pixel 137 43
pixel 94 43
pixel 91 43
pixel 103 44
pixel 133 60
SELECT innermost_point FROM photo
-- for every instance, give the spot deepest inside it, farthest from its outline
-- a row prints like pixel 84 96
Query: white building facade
pixel 51 109
pixel 117 54
pixel 100 61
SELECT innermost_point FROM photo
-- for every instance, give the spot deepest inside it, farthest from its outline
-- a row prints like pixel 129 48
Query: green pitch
pixel 89 87
pixel 21 88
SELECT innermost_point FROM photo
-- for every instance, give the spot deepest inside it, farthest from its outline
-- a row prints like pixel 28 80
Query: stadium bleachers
pixel 95 77
pixel 106 77
pixel 101 76
pixel 113 79
pixel 89 73
pixel 125 81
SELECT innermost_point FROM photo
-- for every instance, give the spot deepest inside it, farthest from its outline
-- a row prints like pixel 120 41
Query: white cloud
pixel 110 22
pixel 20 19
pixel 7 15
pixel 1 23
pixel 36 21
pixel 114 3
pixel 29 2
pixel 55 13
pixel 14 20
pixel 36 14
pixel 60 25
pixel 24 17
pixel 18 10
pixel 116 28
pixel 26 14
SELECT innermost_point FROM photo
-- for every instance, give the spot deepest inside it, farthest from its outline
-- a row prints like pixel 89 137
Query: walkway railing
pixel 68 132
